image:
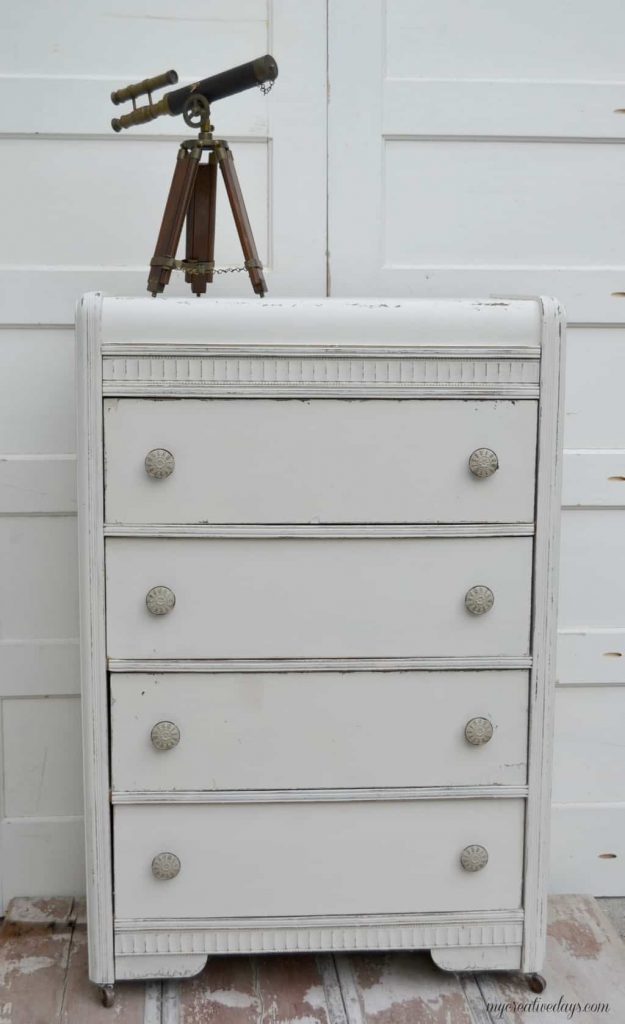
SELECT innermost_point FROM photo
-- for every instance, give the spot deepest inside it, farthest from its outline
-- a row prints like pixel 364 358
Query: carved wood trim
pixel 315 934
pixel 336 372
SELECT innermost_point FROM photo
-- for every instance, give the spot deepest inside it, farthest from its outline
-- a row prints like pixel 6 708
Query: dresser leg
pixel 108 995
pixel 536 982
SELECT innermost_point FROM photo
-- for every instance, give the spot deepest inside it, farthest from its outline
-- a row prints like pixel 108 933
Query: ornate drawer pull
pixel 160 600
pixel 479 600
pixel 165 866
pixel 166 735
pixel 474 858
pixel 159 463
pixel 483 462
pixel 477 731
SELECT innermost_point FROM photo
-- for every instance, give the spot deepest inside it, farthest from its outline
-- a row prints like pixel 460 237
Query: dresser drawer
pixel 268 598
pixel 263 461
pixel 311 730
pixel 248 860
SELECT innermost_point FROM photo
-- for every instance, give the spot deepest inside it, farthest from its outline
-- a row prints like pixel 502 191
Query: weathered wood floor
pixel 43 980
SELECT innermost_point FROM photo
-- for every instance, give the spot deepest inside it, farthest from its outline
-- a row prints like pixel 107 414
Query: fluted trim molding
pixel 265 371
pixel 282 935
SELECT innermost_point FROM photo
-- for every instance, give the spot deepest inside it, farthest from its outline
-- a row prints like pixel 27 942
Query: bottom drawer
pixel 283 859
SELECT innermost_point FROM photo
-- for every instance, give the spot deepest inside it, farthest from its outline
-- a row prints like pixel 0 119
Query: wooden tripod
pixel 192 196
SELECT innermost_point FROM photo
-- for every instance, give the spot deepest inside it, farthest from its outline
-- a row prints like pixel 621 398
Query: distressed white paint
pixel 317 598
pixel 307 853
pixel 251 732
pixel 322 597
pixel 312 462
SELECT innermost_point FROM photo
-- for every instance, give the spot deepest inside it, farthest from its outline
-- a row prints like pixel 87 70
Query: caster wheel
pixel 536 982
pixel 108 995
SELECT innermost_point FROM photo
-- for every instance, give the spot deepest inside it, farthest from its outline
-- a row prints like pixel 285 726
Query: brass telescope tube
pixel 217 87
pixel 148 85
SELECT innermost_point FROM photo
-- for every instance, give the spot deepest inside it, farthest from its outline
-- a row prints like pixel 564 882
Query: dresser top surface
pixel 320 322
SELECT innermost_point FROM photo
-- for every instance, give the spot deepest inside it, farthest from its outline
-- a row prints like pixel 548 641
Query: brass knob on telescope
pixel 131 92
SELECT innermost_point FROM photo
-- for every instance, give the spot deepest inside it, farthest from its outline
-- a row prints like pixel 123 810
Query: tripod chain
pixel 201 266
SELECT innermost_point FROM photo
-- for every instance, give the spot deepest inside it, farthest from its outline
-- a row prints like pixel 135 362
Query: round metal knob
pixel 479 600
pixel 165 866
pixel 474 858
pixel 166 735
pixel 160 600
pixel 159 463
pixel 483 462
pixel 477 731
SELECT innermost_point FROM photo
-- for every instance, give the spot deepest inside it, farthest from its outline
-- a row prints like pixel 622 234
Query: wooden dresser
pixel 318 559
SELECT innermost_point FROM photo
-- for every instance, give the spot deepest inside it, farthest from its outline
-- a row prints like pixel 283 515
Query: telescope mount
pixel 192 198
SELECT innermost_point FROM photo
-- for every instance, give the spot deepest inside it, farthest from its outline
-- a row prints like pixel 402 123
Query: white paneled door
pixel 471 148
pixel 80 209
pixel 477 148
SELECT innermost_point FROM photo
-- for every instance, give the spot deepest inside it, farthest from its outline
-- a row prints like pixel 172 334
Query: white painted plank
pixel 588 848
pixel 591 656
pixel 33 668
pixel 36 391
pixel 486 204
pixel 583 971
pixel 260 858
pixel 42 757
pixel 309 598
pixel 37 484
pixel 592 585
pixel 120 229
pixel 400 987
pixel 589 746
pixel 38 587
pixel 502 40
pixel 495 107
pixel 594 479
pixel 42 855
pixel 80 106
pixel 308 731
pixel 595 368
pixel 200 34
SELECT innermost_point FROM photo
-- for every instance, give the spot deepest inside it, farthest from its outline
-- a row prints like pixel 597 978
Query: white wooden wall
pixel 80 209
pixel 473 149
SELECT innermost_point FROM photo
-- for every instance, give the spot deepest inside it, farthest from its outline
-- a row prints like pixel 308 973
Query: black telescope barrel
pixel 226 83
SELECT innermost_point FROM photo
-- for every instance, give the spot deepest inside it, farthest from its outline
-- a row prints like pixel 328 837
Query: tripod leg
pixel 244 230
pixel 175 212
pixel 201 224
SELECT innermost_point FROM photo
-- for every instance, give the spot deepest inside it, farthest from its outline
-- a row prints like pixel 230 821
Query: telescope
pixel 193 190
pixel 260 72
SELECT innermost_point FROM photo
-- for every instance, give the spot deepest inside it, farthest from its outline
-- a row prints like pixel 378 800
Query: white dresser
pixel 318 555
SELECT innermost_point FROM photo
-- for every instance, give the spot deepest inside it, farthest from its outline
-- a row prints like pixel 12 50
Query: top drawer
pixel 318 461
